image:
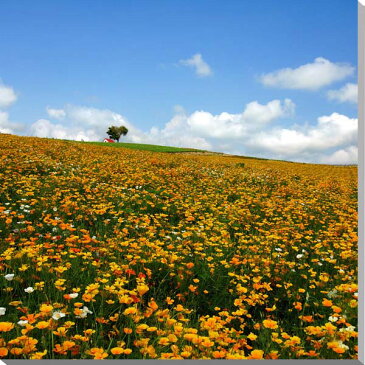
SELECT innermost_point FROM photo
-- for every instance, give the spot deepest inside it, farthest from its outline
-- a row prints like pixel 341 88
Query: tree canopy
pixel 115 132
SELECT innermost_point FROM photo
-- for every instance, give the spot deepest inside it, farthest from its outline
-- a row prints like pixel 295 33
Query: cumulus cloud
pixel 90 124
pixel 201 68
pixel 233 126
pixel 256 131
pixel 45 128
pixel 345 156
pixel 311 76
pixel 335 131
pixel 56 113
pixel 7 96
pixel 4 123
pixel 347 93
pixel 79 123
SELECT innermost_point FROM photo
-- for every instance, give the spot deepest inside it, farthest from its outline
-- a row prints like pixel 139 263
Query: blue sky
pixel 92 62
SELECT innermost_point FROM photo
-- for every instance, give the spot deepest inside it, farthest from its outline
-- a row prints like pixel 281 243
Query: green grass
pixel 145 147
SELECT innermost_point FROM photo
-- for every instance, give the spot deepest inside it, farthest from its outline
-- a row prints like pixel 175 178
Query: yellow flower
pixel 38 355
pixel 117 350
pixel 142 289
pixel 252 336
pixel 268 323
pixel 46 308
pixel 163 341
pixel 130 310
pixel 256 355
pixel 6 326
pixel 42 325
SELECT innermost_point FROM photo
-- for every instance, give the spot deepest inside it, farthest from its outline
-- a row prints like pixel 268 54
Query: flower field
pixel 113 253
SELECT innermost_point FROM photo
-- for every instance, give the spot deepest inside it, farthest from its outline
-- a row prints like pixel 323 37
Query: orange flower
pixel 98 353
pixel 16 351
pixel 164 341
pixel 256 355
pixel 298 306
pixel 269 323
pixel 216 354
pixel 307 318
pixel 152 304
pixel 3 351
pixel 312 353
pixel 41 325
pixel 326 302
pixel 130 310
pixel 117 350
pixel 68 344
pixel 46 308
pixel 6 326
pixel 142 289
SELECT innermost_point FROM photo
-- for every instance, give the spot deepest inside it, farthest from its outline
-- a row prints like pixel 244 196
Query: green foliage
pixel 115 132
pixel 143 147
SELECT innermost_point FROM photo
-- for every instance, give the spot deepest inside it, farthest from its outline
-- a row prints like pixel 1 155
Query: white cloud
pixel 256 131
pixel 202 69
pixel 311 76
pixel 79 123
pixel 333 131
pixel 233 126
pixel 4 123
pixel 7 96
pixel 44 128
pixel 347 93
pixel 91 124
pixel 56 113
pixel 344 156
pixel 253 132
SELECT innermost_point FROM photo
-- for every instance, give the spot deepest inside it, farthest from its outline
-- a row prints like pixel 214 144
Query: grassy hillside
pixel 144 147
pixel 126 254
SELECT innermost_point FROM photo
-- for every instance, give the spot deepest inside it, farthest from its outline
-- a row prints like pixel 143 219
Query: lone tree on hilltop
pixel 115 132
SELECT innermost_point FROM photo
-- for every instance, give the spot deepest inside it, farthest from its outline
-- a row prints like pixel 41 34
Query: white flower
pixel 57 315
pixel 347 329
pixel 356 295
pixel 74 295
pixel 29 289
pixel 22 323
pixel 342 345
pixel 85 312
pixel 299 256
pixel 2 311
pixel 332 319
pixel 332 293
pixel 9 277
